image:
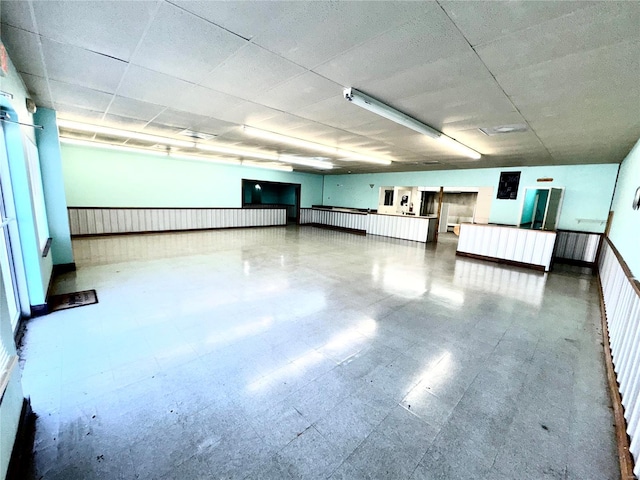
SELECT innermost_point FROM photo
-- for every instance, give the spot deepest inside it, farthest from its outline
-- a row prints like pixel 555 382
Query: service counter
pixel 506 244
pixel 406 227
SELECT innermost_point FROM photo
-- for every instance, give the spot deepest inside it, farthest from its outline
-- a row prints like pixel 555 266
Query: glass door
pixel 6 256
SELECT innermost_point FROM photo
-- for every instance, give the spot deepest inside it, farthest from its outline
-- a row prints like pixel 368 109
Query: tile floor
pixel 286 353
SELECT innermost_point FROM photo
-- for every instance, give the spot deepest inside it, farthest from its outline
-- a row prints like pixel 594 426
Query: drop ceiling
pixel 568 71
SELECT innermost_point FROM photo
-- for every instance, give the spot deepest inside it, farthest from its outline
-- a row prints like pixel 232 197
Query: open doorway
pixel 541 208
pixel 263 194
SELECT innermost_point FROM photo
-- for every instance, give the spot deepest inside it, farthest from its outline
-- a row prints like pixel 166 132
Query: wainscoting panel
pixel 335 218
pixel 577 246
pixel 98 221
pixel 407 228
pixel 532 247
pixel 306 216
pixel 621 296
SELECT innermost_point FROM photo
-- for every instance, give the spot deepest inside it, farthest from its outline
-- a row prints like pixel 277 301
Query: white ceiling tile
pixel 153 87
pixel 308 24
pixel 112 28
pixel 24 49
pixel 65 94
pixel 442 74
pixel 606 24
pixel 300 91
pixel 204 101
pixel 134 109
pixel 37 87
pixel 78 66
pixel 282 123
pixel 124 123
pixel 246 19
pixel 178 119
pixel 215 126
pixel 70 112
pixel 457 104
pixel 17 14
pixel 249 71
pixel 483 120
pixel 248 113
pixel 183 45
pixel 336 112
pixel 481 22
pixel 424 40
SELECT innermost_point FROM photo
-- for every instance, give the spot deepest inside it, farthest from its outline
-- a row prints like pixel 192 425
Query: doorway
pixel 264 194
pixel 7 223
pixel 541 208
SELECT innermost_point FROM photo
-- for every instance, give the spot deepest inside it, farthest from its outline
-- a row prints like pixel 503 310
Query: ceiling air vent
pixel 503 129
pixel 198 135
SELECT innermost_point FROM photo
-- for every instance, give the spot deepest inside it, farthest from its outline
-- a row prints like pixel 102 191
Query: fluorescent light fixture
pixel 308 162
pixel 375 106
pixel 364 158
pixel 178 156
pixel 109 146
pixel 268 166
pixel 235 152
pixel 460 148
pixel 369 103
pixel 199 158
pixel 296 142
pixel 114 132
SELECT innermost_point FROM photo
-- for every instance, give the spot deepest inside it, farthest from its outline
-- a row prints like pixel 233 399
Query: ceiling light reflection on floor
pixel 431 377
pixel 240 331
pixel 350 336
pixel 449 296
pixel 404 282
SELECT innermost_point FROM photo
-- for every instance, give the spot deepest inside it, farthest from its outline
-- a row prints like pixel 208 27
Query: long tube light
pixel 268 166
pixel 309 162
pixel 169 142
pixel 115 132
pixel 109 146
pixel 179 156
pixel 235 151
pixel 375 106
pixel 297 142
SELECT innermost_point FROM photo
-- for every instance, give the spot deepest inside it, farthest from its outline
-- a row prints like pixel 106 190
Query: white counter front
pixel 418 229
pixel 532 248
pixel 405 227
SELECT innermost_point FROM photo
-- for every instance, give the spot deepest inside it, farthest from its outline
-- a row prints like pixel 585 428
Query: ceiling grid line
pixel 495 79
pixel 137 47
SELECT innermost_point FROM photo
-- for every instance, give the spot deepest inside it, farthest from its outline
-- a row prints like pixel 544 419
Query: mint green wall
pixel 38 268
pixel 625 227
pixel 53 185
pixel 95 177
pixel 588 190
pixel 11 401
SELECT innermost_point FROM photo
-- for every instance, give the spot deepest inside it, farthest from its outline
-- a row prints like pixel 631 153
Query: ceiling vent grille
pixel 504 129
pixel 197 135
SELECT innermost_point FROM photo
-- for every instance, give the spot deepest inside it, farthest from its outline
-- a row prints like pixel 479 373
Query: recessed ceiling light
pixel 198 135
pixel 502 129
pixel 430 162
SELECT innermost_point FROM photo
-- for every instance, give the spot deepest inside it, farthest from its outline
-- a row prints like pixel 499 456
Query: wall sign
pixel 508 186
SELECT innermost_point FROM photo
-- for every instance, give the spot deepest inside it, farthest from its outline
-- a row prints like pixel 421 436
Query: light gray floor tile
pixel 288 353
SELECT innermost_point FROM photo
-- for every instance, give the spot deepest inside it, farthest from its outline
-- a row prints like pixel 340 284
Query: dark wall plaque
pixel 508 186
